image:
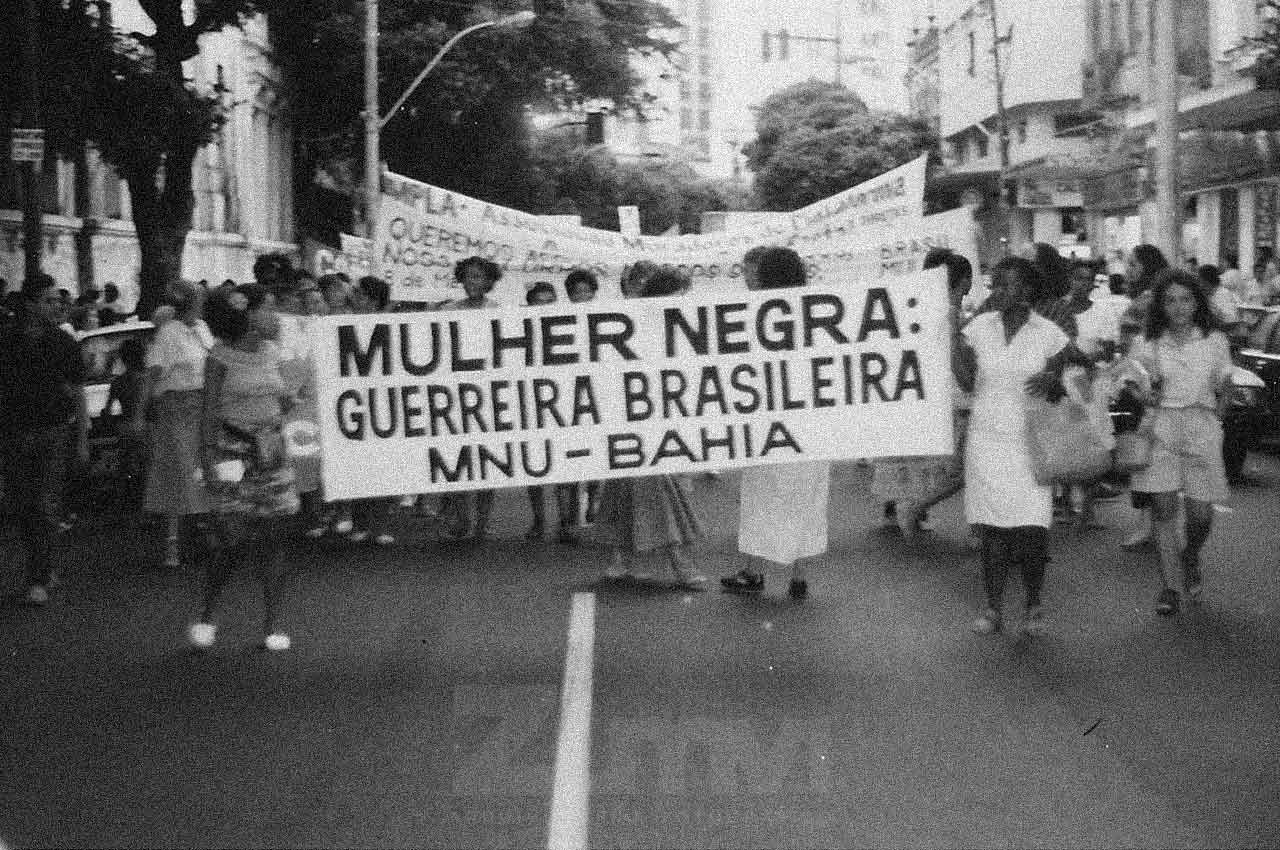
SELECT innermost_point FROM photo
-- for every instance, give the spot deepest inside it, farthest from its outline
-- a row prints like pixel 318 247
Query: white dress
pixel 1000 488
pixel 783 513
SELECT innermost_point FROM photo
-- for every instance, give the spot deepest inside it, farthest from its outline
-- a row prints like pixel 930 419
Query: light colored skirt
pixel 999 487
pixel 173 484
pixel 647 513
pixel 1186 455
pixel 783 511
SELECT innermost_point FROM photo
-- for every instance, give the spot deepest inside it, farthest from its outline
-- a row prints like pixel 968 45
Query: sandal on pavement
pixel 743 581
pixel 1167 602
pixel 989 622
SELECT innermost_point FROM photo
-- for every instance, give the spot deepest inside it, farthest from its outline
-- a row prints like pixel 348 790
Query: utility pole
pixel 372 156
pixel 32 216
pixel 1002 118
pixel 1168 235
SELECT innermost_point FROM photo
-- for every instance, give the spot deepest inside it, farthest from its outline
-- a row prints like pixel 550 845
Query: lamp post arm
pixel 448 45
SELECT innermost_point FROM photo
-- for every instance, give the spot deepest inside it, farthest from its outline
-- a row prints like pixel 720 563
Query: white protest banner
pixel 466 399
pixel 423 231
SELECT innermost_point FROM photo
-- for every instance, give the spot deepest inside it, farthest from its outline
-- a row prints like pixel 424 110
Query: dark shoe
pixel 798 589
pixel 535 532
pixel 1167 602
pixel 743 581
pixel 567 537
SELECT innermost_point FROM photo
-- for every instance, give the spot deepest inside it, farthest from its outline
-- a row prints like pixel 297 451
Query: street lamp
pixel 373 124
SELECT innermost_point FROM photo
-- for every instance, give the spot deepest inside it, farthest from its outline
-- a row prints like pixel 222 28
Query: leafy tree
pixel 466 127
pixel 814 139
pixel 128 96
pixel 567 176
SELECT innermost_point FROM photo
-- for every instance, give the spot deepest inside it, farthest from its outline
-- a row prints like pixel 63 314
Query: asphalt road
pixel 420 704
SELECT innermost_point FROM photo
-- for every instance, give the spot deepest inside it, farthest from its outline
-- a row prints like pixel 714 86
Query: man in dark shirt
pixel 41 400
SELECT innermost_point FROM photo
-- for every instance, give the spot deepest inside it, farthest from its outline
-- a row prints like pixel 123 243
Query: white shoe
pixel 37 594
pixel 358 536
pixel 407 502
pixel 315 533
pixel 384 540
pixel 343 526
pixel 276 642
pixel 202 635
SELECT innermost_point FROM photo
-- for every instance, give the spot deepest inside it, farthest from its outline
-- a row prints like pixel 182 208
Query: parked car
pixel 100 352
pixel 1253 418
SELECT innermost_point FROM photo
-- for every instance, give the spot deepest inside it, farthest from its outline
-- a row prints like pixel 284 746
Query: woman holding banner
pixel 783 514
pixel 1002 356
pixel 478 276
pixel 911 486
pixel 654 512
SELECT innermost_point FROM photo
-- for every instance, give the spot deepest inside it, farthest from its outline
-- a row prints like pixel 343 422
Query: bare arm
pixel 211 423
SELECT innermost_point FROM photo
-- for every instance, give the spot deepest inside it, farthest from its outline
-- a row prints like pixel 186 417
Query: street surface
pixel 420 704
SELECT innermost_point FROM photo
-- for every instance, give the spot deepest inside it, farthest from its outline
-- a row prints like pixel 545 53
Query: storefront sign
pixel 26 145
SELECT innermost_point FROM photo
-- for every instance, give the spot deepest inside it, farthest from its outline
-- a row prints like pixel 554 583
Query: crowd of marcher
pixel 200 414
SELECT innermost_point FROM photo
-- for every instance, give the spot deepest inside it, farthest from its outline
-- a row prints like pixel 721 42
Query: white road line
pixel 567 826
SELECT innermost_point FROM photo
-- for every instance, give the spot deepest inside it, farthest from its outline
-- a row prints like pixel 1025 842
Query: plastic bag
pixel 1066 445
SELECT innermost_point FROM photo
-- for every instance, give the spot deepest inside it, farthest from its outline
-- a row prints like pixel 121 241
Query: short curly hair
pixel 779 268
pixel 226 321
pixel 492 271
pixel 581 276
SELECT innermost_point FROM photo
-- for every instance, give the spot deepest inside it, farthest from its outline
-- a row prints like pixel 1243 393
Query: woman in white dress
pixel 1006 355
pixel 783 513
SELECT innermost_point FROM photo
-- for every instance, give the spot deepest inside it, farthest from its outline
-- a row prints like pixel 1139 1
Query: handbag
pixel 1133 451
pixel 1065 444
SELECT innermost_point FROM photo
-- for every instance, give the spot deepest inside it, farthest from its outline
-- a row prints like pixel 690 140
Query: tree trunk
pixel 163 206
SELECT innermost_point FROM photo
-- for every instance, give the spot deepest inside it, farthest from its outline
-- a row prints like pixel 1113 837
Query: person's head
pixel 1016 283
pixel 1054 273
pixel 1117 283
pixel 84 318
pixel 93 295
pixel 540 293
pixel 313 303
pixel 1082 279
pixel 186 299
pixel 227 314
pixel 1144 262
pixel 477 275
pixel 374 295
pixel 751 265
pixel 1210 277
pixel 260 305
pixel 1232 260
pixel 959 271
pixel 666 281
pixel 636 275
pixel 42 297
pixel 110 294
pixel 133 354
pixel 581 285
pixel 1178 302
pixel 272 269
pixel 336 292
pixel 778 268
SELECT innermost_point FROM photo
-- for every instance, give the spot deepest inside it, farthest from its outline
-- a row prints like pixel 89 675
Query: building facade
pixel 1229 130
pixel 242 182
pixel 953 70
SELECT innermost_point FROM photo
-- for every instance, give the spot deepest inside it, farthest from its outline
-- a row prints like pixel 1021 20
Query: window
pixel 960 147
pixel 973 53
pixel 1073 222
pixel 981 139
pixel 1022 132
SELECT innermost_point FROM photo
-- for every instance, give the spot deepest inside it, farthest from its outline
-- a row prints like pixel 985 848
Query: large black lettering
pixel 350 351
pixel 909 376
pixel 699 338
pixel 599 334
pixel 350 422
pixel 878 315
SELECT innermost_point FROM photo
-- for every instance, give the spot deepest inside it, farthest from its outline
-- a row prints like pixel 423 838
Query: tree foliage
pixel 126 93
pixel 569 177
pixel 814 139
pixel 466 127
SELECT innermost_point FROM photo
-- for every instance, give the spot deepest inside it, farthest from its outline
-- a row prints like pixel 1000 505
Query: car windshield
pixel 101 354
